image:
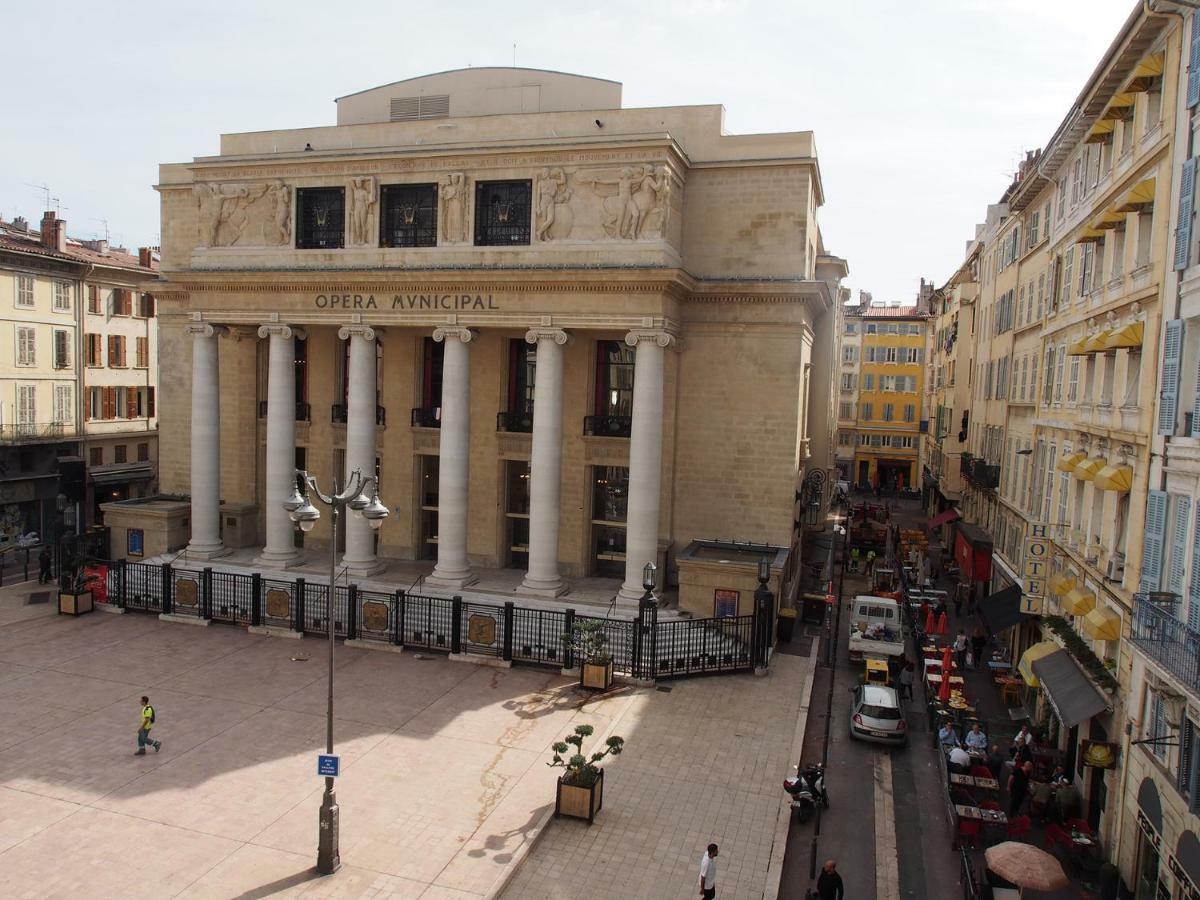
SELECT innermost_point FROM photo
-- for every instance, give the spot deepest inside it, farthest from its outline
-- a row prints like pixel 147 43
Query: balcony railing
pixel 607 426
pixel 21 432
pixel 1161 636
pixel 303 410
pixel 339 413
pixel 520 422
pixel 426 417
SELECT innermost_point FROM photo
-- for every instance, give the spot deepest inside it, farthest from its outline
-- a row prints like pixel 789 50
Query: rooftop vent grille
pixel 409 109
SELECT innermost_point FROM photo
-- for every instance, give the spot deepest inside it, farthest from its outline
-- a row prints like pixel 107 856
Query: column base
pixel 275 559
pixel 206 551
pixel 451 581
pixel 633 594
pixel 363 568
pixel 543 587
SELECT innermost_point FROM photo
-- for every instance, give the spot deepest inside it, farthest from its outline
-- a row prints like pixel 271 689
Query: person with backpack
pixel 144 738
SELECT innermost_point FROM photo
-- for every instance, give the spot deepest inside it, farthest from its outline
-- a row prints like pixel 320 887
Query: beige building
pixel 569 338
pixel 80 328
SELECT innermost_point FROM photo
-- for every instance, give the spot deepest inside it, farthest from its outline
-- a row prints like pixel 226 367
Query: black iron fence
pixel 642 648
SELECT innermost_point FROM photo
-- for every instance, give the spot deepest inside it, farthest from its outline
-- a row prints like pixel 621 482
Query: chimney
pixel 145 257
pixel 54 232
pixel 20 223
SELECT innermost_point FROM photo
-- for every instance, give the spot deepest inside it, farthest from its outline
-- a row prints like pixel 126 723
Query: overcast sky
pixel 921 109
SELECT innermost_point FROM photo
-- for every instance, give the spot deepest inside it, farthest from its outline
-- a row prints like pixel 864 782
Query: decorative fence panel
pixel 231 598
pixel 482 629
pixel 188 593
pixel 377 617
pixel 701 646
pixel 427 622
pixel 279 607
pixel 538 636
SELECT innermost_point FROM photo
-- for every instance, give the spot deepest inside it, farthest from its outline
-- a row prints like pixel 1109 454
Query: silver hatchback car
pixel 876 715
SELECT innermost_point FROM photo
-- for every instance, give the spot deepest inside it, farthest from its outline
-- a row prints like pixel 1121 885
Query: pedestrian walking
pixel 44 560
pixel 978 643
pixel 958 602
pixel 1018 788
pixel 906 680
pixel 144 739
pixel 708 873
pixel 960 651
pixel 829 883
pixel 870 563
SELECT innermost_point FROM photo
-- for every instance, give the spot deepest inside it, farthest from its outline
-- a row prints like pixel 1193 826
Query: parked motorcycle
pixel 807 789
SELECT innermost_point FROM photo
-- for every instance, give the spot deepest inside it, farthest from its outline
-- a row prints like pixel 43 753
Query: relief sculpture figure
pixel 281 214
pixel 454 208
pixel 225 206
pixel 617 189
pixel 362 204
pixel 652 195
pixel 552 192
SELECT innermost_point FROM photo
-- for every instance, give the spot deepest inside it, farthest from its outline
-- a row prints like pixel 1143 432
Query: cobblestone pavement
pixel 443 791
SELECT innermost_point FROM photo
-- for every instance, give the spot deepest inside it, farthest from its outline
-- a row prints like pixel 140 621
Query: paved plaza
pixel 443 792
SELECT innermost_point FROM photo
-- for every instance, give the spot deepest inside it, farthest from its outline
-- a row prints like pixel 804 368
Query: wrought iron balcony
pixel 340 412
pixel 25 432
pixel 426 417
pixel 1158 634
pixel 607 426
pixel 303 410
pixel 521 422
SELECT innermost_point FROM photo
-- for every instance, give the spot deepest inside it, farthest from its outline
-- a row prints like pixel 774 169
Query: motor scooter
pixel 807 789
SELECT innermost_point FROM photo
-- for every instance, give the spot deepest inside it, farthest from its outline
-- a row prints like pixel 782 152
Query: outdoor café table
pixel 937 679
pixel 988 816
pixel 998 665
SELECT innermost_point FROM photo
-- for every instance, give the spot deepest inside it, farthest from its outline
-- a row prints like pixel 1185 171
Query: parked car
pixel 876 715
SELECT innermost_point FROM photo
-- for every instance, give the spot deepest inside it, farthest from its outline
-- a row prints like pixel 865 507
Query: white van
pixel 875 629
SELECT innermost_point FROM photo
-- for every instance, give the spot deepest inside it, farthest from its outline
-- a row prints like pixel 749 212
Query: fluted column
pixel 545 488
pixel 205 542
pixel 360 557
pixel 281 444
pixel 454 444
pixel 645 457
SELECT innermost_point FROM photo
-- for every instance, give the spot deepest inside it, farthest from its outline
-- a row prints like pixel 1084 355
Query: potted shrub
pixel 580 793
pixel 589 643
pixel 75 591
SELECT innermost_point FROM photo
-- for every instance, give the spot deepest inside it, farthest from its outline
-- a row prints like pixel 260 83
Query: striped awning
pixel 1127 336
pixel 1103 624
pixel 1079 601
pixel 1137 198
pixel 1035 652
pixel 1087 469
pixel 1148 71
pixel 1061 583
pixel 1114 478
pixel 1097 342
pixel 1078 348
pixel 1070 461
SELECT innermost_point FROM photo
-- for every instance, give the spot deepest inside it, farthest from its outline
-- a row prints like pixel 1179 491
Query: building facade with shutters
pixel 55 295
pixel 850 356
pixel 569 338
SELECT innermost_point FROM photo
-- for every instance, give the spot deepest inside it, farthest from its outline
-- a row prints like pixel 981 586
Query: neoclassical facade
pixel 569 338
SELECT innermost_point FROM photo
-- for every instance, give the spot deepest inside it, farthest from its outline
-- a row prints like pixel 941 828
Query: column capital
pixel 366 332
pixel 664 339
pixel 444 332
pixel 275 328
pixel 204 329
pixel 542 333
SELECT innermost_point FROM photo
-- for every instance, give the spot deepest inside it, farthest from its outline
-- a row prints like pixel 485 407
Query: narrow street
pixel 885 826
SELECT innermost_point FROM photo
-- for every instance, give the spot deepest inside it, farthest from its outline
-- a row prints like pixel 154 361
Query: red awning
pixel 942 518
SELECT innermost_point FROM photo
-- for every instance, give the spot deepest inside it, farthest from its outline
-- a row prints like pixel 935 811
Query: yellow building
pixel 891 382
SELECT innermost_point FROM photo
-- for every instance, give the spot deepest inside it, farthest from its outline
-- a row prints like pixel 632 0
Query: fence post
pixel 650 645
pixel 352 612
pixel 568 644
pixel 456 624
pixel 168 605
pixel 636 644
pixel 509 611
pixel 206 604
pixel 26 563
pixel 398 637
pixel 122 576
pixel 298 622
pixel 256 599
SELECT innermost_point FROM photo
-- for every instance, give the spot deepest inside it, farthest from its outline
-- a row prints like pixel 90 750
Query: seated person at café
pixel 960 761
pixel 976 739
pixel 1069 801
pixel 1041 800
pixel 995 761
pixel 946 736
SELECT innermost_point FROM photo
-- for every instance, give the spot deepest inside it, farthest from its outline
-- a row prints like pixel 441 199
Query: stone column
pixel 645 458
pixel 281 445
pixel 205 542
pixel 454 445
pixel 545 488
pixel 360 557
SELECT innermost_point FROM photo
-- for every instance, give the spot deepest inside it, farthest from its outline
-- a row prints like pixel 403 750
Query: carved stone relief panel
pixel 362 211
pixel 634 201
pixel 453 216
pixel 244 215
pixel 554 218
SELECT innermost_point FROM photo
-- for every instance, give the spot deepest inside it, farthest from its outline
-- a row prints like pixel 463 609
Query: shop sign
pixel 1099 754
pixel 1190 892
pixel 406 301
pixel 725 603
pixel 1148 831
pixel 1036 565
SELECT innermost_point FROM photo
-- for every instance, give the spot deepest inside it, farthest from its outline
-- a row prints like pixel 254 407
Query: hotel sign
pixel 1035 569
pixel 407 302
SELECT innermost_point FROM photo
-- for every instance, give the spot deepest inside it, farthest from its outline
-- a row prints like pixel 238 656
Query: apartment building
pixel 77 418
pixel 850 355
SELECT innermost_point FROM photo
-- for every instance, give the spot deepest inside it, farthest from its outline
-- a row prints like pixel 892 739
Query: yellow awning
pixel 1079 601
pixel 1079 348
pixel 1095 344
pixel 1070 461
pixel 1061 583
pixel 1147 71
pixel 1138 197
pixel 1035 652
pixel 1087 469
pixel 1114 478
pixel 1103 625
pixel 1101 131
pixel 1109 219
pixel 1126 336
pixel 1091 236
pixel 1119 107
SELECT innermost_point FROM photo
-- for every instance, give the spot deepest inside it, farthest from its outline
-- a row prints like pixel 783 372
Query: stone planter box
pixel 580 802
pixel 597 676
pixel 72 604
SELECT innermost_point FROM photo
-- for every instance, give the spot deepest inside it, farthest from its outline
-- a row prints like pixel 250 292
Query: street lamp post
pixel 649 621
pixel 353 496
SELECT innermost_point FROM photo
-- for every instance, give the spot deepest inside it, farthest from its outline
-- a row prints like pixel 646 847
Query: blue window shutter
pixel 1156 522
pixel 1196 404
pixel 1193 614
pixel 1193 85
pixel 1169 391
pixel 1179 542
pixel 1183 227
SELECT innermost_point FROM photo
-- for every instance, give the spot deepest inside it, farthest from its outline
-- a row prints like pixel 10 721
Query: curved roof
pixel 476 69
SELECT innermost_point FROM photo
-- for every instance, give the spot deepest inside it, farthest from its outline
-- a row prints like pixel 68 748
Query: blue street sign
pixel 328 765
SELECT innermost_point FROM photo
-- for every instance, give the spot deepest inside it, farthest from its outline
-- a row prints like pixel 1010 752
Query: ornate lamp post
pixel 353 496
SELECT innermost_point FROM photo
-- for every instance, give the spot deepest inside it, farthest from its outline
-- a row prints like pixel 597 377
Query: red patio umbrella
pixel 942 624
pixel 947 659
pixel 929 623
pixel 924 610
pixel 944 687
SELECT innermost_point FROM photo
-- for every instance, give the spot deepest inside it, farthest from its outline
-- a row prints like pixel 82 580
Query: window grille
pixel 502 213
pixel 409 216
pixel 321 218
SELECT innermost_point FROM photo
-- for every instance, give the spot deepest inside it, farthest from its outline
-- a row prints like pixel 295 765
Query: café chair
pixel 978 771
pixel 968 833
pixel 990 804
pixel 1018 828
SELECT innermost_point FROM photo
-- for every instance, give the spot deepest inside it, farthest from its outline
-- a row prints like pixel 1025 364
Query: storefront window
pixel 1149 887
pixel 610 496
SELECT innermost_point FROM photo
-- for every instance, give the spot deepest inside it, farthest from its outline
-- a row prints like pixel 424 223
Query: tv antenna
pixel 105 223
pixel 45 190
